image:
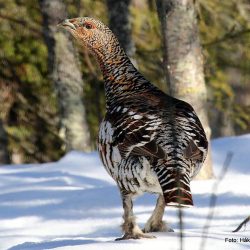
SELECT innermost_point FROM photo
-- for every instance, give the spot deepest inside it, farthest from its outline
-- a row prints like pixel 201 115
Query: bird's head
pixel 90 33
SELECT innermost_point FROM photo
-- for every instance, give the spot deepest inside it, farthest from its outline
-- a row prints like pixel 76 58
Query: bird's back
pixel 151 128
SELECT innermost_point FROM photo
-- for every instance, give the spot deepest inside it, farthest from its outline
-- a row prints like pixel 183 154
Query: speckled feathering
pixel 148 141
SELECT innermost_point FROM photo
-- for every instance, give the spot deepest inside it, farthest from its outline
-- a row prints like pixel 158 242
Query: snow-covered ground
pixel 74 204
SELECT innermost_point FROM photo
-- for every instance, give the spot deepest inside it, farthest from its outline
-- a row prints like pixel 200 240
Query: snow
pixel 73 204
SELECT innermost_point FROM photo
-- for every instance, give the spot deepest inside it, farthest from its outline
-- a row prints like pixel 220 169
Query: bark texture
pixel 119 23
pixel 65 72
pixel 4 154
pixel 183 61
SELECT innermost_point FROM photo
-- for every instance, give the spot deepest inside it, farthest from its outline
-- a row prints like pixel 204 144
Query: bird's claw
pixel 136 236
pixel 159 227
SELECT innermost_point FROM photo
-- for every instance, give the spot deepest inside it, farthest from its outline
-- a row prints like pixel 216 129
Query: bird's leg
pixel 130 228
pixel 155 222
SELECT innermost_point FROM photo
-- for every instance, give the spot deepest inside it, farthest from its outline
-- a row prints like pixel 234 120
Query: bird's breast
pixel 134 174
pixel 109 153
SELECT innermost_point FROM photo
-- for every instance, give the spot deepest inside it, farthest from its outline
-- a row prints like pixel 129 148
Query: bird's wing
pixel 137 127
pixel 135 133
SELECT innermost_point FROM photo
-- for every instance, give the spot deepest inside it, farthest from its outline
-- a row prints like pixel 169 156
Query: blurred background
pixel 51 91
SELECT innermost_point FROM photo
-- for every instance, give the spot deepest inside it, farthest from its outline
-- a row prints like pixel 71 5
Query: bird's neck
pixel 120 76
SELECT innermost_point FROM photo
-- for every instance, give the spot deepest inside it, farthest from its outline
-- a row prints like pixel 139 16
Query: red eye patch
pixel 89 26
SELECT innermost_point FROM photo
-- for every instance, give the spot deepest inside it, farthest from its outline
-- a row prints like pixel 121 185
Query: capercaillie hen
pixel 148 141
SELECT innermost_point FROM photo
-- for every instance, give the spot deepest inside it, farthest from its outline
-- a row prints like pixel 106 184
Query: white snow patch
pixel 73 204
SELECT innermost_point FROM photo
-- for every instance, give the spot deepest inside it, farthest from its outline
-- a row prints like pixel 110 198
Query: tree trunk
pixel 4 154
pixel 64 67
pixel 119 23
pixel 241 88
pixel 183 61
pixel 223 124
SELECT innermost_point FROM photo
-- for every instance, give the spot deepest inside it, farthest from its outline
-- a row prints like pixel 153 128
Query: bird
pixel 149 141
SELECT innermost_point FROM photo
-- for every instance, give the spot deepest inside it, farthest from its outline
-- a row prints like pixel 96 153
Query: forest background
pixel 33 127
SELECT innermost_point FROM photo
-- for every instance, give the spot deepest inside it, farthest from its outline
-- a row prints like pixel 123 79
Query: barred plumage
pixel 148 141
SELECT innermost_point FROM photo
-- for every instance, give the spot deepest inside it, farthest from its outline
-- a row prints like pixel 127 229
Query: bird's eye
pixel 88 26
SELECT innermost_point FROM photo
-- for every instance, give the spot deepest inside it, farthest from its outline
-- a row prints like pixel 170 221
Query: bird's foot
pixel 135 236
pixel 160 226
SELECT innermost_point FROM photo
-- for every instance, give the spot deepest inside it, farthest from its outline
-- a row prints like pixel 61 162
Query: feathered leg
pixel 155 222
pixel 130 228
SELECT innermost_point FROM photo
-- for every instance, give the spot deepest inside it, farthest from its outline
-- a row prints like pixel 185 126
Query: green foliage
pixel 31 116
pixel 222 92
pixel 225 34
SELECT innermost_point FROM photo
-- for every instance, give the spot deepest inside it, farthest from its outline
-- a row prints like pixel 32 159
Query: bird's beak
pixel 67 24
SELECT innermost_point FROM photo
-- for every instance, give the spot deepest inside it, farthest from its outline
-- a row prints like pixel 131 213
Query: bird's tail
pixel 175 184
